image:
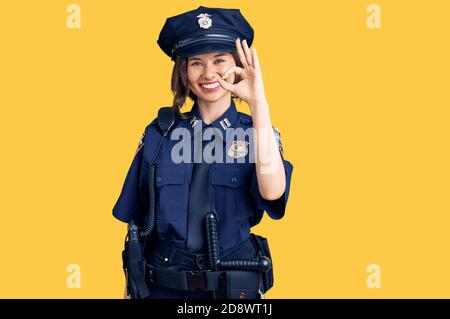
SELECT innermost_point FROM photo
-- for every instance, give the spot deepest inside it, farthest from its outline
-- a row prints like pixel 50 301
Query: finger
pixel 255 59
pixel 226 85
pixel 235 69
pixel 247 52
pixel 241 53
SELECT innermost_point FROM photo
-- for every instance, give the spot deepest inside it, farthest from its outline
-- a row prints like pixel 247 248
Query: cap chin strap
pixel 218 38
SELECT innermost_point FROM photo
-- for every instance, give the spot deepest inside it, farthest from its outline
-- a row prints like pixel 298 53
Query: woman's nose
pixel 210 73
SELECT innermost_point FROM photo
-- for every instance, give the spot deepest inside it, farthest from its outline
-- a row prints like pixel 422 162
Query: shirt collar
pixel 226 120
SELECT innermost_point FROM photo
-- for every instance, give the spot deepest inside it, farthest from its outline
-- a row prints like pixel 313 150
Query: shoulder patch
pixel 276 132
pixel 141 143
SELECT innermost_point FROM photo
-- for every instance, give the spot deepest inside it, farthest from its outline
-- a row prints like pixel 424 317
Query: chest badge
pixel 238 149
pixel 204 20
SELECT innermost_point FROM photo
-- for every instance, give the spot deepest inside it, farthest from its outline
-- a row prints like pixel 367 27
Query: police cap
pixel 204 30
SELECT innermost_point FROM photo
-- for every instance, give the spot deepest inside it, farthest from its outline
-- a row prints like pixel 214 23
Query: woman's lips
pixel 210 87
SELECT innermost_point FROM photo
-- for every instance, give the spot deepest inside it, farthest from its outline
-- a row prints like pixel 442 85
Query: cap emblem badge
pixel 204 20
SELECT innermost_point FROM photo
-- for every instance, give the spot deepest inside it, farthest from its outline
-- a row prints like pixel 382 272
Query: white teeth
pixel 211 85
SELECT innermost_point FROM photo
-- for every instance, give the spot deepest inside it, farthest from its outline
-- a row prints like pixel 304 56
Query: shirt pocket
pixel 230 185
pixel 171 193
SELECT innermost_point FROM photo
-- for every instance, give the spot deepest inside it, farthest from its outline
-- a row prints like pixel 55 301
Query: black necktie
pixel 199 205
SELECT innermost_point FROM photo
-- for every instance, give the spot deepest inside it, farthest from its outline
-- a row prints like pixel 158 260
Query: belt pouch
pixel 263 247
pixel 242 284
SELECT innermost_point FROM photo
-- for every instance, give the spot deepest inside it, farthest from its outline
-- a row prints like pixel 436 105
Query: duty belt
pixel 185 280
pixel 227 284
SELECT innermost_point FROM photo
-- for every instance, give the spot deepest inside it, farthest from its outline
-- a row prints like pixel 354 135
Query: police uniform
pixel 229 184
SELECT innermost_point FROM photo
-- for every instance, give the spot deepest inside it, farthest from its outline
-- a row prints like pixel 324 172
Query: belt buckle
pixel 196 280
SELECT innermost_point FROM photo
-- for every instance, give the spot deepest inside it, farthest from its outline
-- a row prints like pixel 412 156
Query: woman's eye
pixel 220 61
pixel 195 64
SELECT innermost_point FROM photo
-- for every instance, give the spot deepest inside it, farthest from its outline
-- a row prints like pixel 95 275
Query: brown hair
pixel 180 83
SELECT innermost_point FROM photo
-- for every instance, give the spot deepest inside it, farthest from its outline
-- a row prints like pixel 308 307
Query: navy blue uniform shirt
pixel 236 197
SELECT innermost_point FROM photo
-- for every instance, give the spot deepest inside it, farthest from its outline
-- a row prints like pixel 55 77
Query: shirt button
pixel 233 179
pixel 158 179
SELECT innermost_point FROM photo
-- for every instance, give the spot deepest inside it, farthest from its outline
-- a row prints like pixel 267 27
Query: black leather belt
pixel 185 280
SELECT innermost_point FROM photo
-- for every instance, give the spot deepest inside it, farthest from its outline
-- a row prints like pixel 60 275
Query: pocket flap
pixel 229 176
pixel 169 176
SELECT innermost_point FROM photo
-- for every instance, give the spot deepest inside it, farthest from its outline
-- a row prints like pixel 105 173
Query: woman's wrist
pixel 258 105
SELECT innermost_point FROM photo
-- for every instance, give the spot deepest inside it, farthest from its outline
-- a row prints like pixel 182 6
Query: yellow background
pixel 364 117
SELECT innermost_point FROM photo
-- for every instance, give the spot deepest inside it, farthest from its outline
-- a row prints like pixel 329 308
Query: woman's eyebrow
pixel 196 58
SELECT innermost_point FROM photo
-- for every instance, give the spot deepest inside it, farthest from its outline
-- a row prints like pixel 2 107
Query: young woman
pixel 213 159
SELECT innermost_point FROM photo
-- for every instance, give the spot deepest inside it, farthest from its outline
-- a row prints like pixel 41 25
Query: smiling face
pixel 203 70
